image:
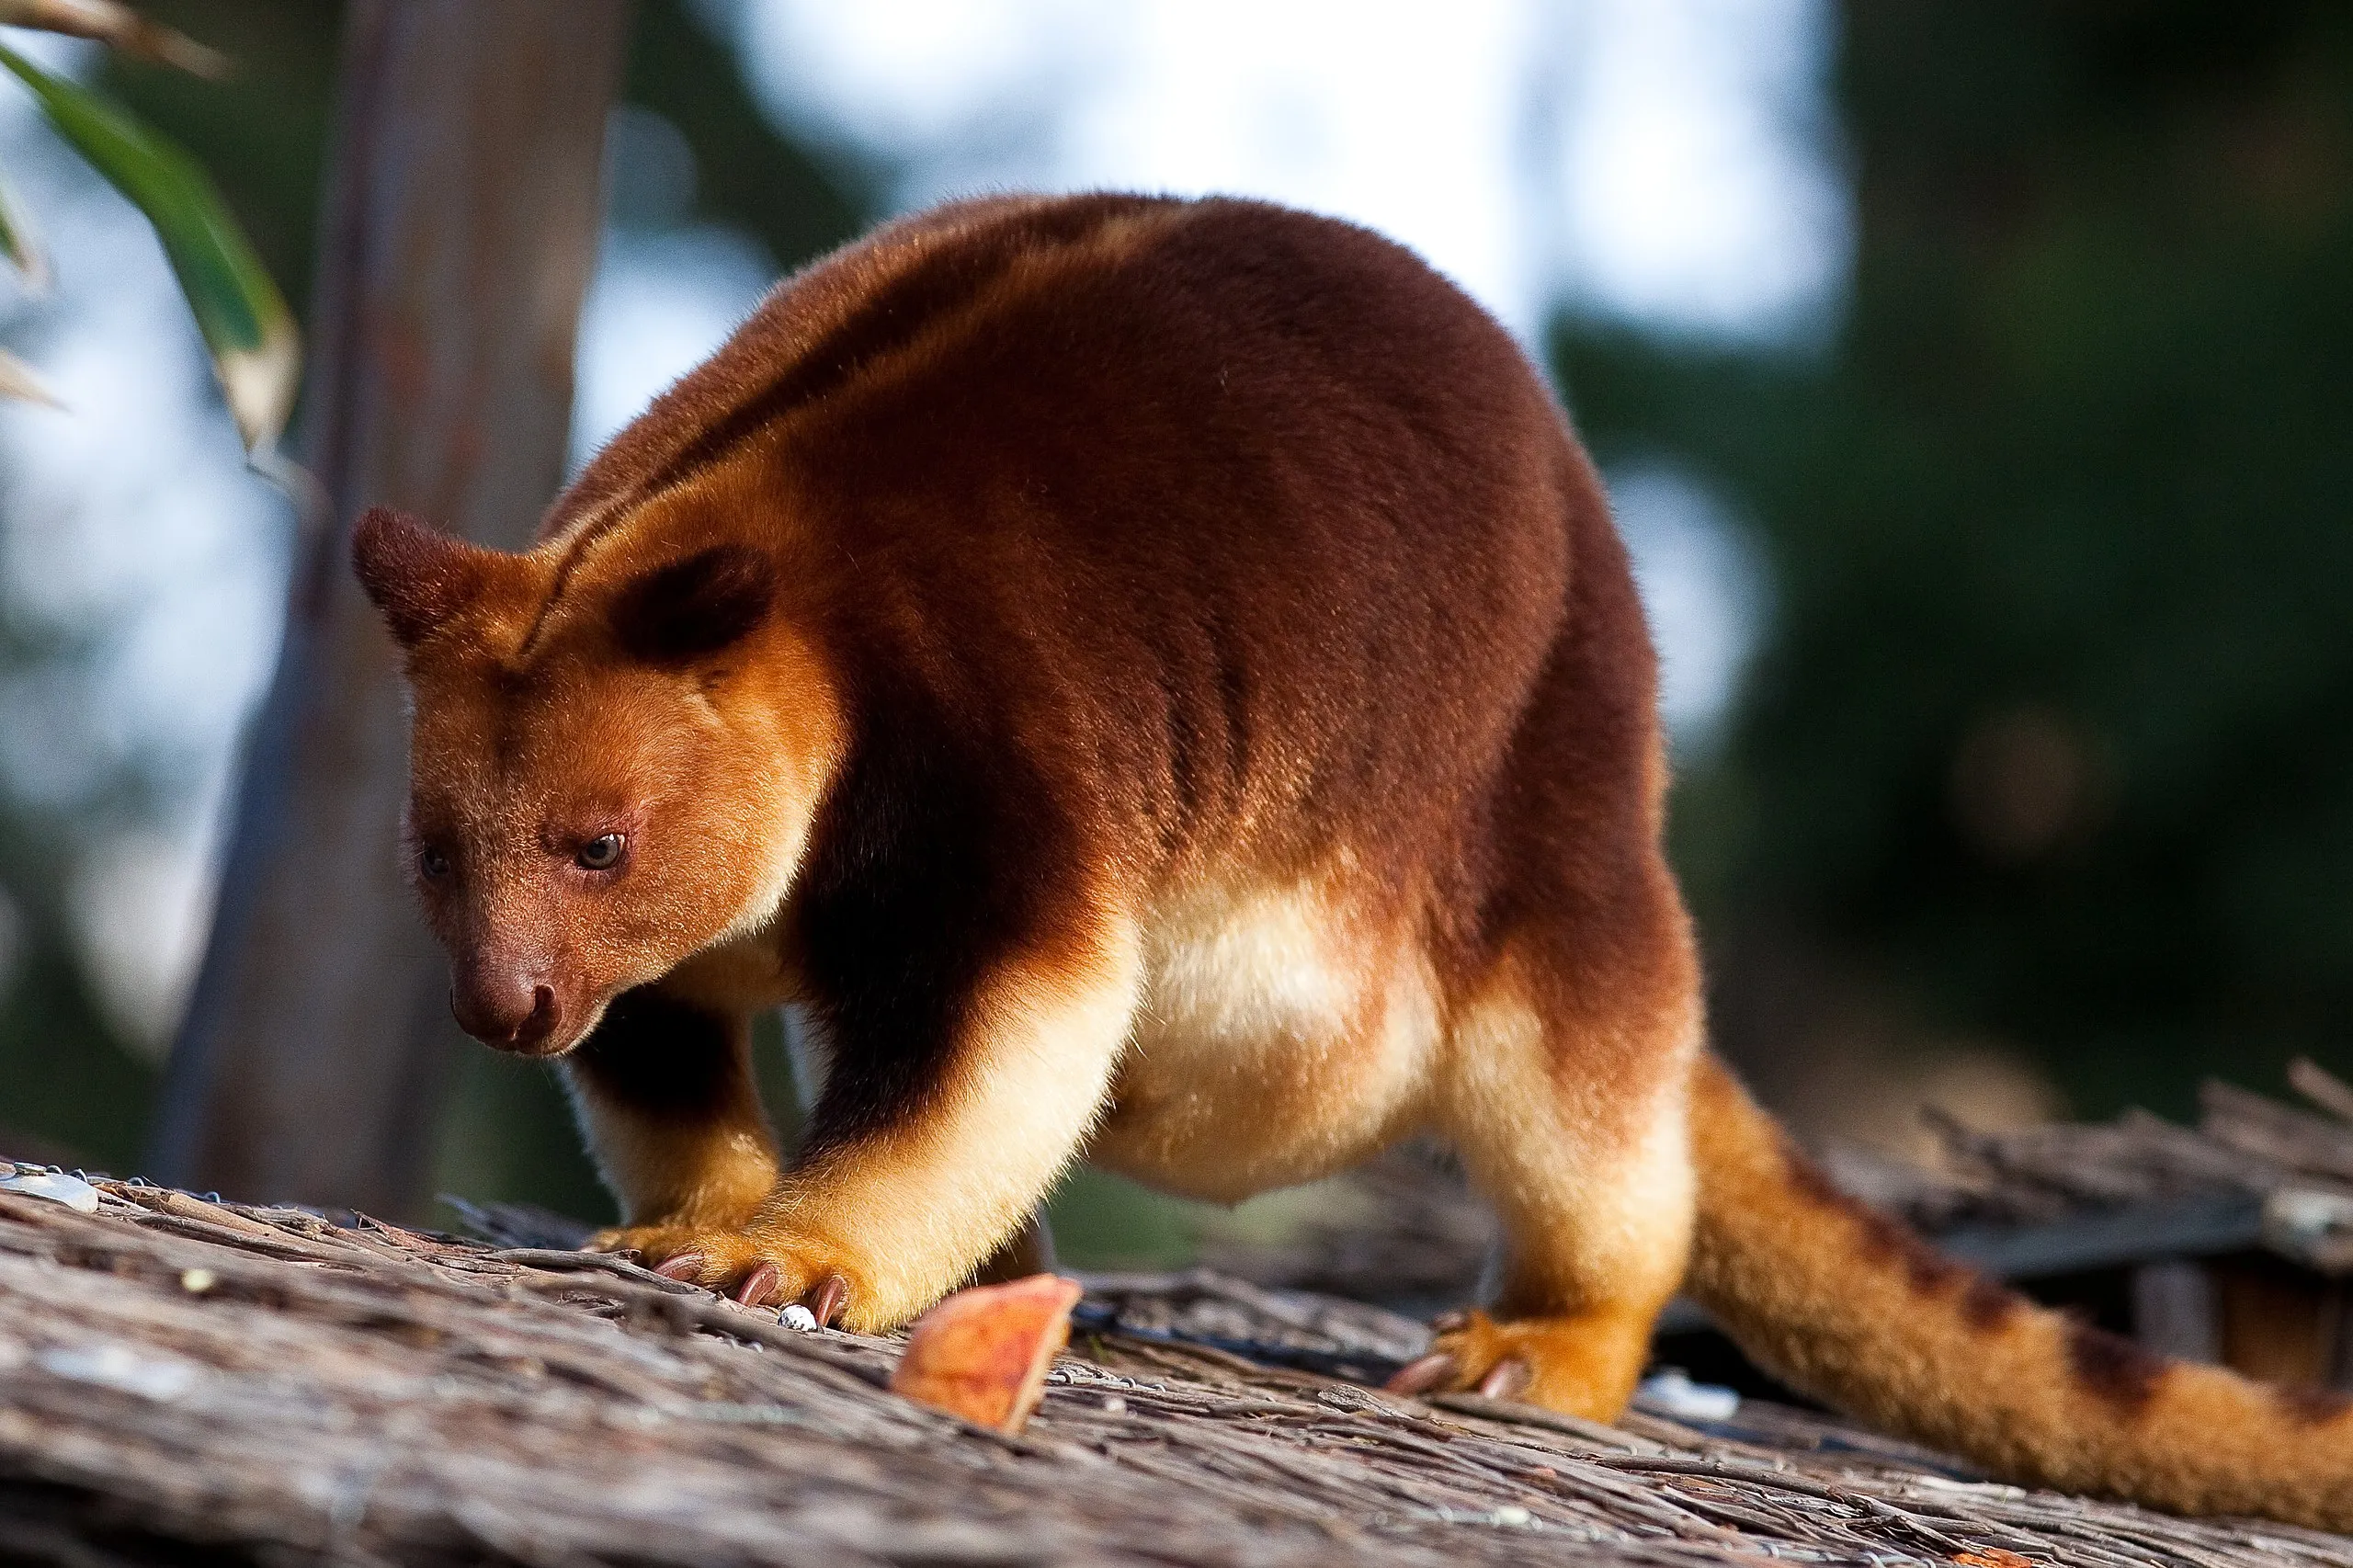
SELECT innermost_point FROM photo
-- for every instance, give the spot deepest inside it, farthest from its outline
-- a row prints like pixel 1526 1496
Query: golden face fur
pixel 596 794
pixel 1157 681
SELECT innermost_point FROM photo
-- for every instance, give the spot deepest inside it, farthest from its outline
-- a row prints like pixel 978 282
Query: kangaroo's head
pixel 614 760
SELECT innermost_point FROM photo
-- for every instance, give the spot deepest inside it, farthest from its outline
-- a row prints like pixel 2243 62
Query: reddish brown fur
pixel 1145 679
pixel 2113 1368
pixel 1985 1304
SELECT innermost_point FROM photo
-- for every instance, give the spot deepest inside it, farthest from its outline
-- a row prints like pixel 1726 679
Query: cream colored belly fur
pixel 1276 1042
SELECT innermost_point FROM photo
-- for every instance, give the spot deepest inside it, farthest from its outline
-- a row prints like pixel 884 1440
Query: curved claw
pixel 826 1300
pixel 686 1265
pixel 758 1285
pixel 1510 1375
pixel 1421 1376
pixel 1450 1323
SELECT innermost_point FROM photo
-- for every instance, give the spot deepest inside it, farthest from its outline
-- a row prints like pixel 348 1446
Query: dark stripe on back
pixel 954 275
pixel 948 280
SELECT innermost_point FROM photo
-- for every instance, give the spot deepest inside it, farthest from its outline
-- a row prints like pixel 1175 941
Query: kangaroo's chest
pixel 1278 1040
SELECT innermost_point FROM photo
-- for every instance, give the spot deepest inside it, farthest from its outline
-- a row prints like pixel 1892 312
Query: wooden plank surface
pixel 178 1375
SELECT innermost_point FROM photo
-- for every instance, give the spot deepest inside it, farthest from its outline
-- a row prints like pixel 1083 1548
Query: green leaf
pixel 255 349
pixel 21 242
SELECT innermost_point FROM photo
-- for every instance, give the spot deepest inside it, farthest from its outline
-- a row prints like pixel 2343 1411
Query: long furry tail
pixel 1855 1310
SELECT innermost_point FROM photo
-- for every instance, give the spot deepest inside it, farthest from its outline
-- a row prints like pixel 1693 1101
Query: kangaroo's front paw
pixel 1576 1366
pixel 758 1266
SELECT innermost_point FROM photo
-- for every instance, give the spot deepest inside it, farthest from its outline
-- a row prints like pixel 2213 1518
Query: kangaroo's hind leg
pixel 1565 1089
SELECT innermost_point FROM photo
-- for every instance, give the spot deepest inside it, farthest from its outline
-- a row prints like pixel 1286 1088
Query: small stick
pixel 558 1261
pixel 2322 1087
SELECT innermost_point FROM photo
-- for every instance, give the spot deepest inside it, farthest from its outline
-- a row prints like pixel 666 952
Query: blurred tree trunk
pixel 460 231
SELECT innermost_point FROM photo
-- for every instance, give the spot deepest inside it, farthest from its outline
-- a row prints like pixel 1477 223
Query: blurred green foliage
pixel 2052 733
pixel 262 133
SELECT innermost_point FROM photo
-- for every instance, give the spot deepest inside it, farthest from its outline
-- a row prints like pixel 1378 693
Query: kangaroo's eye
pixel 600 853
pixel 432 864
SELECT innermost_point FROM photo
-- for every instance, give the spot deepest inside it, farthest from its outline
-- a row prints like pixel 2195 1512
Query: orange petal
pixel 983 1353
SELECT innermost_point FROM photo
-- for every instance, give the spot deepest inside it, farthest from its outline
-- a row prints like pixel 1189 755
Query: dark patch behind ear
pixel 694 608
pixel 417 575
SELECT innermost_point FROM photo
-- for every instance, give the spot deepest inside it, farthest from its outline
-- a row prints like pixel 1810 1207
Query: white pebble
pixel 800 1317
pixel 120 1367
pixel 72 1191
pixel 1673 1391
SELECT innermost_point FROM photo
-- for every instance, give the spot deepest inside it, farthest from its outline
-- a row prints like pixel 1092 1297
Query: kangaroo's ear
pixel 695 606
pixel 417 575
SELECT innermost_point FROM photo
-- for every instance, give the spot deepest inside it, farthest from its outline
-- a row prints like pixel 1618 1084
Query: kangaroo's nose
pixel 505 1005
